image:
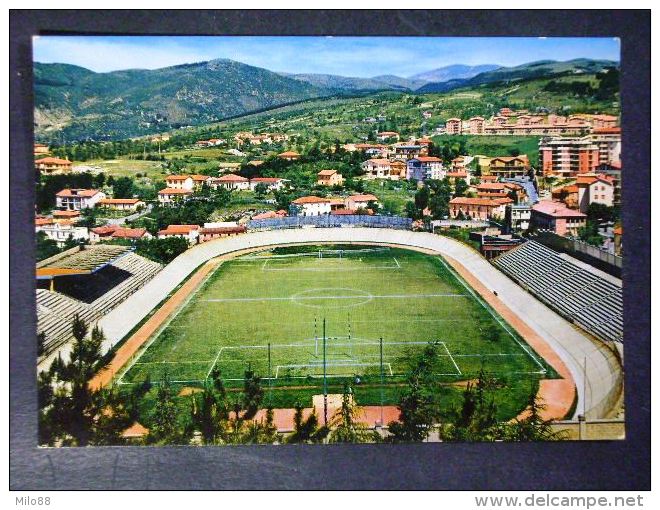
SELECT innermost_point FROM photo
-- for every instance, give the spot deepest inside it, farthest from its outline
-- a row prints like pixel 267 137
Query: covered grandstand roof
pixel 80 260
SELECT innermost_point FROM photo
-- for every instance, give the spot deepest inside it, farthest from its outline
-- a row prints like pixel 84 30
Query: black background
pixel 601 465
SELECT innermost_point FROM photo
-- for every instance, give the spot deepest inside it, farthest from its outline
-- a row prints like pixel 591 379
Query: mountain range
pixel 75 103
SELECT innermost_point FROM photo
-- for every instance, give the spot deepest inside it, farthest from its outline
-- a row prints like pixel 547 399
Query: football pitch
pixel 360 314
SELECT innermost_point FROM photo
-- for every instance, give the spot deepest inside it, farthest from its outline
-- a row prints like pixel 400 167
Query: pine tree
pixel 163 428
pixel 345 427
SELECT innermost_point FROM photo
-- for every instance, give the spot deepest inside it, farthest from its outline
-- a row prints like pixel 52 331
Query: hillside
pixel 532 70
pixel 83 104
pixel 73 103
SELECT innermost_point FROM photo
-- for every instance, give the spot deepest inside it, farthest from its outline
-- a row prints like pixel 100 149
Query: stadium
pixel 311 304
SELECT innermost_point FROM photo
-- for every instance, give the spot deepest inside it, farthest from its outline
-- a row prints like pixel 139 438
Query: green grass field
pixel 281 298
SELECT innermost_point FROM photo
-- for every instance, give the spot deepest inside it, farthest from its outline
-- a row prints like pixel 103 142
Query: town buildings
pixel 310 206
pixel 231 182
pixel 329 178
pixel 425 167
pixel 358 202
pixel 121 204
pixel 593 188
pixel 509 166
pixel 110 232
pixel 188 232
pixel 53 166
pixel 289 156
pixel 557 217
pixel 78 199
pixel 169 196
pixel 478 208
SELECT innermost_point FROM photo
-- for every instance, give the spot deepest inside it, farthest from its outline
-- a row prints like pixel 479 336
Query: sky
pixel 347 56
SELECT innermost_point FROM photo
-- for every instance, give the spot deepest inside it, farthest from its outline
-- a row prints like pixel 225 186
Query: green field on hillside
pixel 265 313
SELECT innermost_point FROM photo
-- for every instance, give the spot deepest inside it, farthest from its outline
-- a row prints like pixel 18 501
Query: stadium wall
pixel 595 386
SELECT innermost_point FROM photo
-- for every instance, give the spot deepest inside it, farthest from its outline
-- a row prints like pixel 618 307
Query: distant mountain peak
pixel 454 72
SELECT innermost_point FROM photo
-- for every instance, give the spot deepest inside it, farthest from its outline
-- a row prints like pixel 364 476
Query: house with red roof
pixel 478 208
pixel 310 206
pixel 169 196
pixel 271 183
pixel 329 178
pixel 121 204
pixel 209 233
pixel 386 135
pixel 109 232
pixel 556 217
pixel 509 166
pixel 355 202
pixel 289 156
pixel 594 188
pixel 187 232
pixel 53 166
pixel 70 199
pixel 268 215
pixel 179 182
pixel 378 169
pixel 230 182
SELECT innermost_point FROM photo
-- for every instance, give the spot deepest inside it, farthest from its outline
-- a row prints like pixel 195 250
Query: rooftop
pixel 77 192
pixel 54 161
pixel 174 191
pixel 310 200
pixel 556 209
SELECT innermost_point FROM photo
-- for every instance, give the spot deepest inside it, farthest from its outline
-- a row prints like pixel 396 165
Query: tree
pixel 416 414
pixel 123 188
pixel 422 198
pixel 253 394
pixel 344 425
pixel 476 419
pixel 417 409
pixel 162 250
pixel 533 427
pixel 460 188
pixel 41 343
pixel 75 413
pixel 46 247
pixel 306 430
pixel 260 190
pixel 210 413
pixel 163 428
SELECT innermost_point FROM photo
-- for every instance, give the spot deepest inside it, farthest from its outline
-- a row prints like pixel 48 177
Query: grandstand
pixel 330 221
pixel 88 282
pixel 587 297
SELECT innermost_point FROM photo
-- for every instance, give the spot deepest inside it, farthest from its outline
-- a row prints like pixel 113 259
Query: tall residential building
pixel 568 157
pixel 608 140
pixel 454 126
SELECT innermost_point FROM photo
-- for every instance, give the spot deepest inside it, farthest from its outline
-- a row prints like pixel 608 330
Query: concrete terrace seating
pixel 95 296
pixel 586 298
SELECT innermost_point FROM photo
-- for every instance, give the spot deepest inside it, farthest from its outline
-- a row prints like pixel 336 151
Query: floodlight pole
pixel 270 378
pixel 382 382
pixel 325 382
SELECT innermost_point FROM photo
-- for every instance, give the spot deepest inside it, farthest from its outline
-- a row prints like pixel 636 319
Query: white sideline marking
pixel 490 311
pixel 451 358
pixel 301 298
